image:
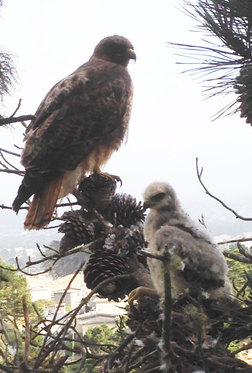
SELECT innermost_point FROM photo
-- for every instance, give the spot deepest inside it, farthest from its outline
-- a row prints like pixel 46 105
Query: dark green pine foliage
pixel 225 61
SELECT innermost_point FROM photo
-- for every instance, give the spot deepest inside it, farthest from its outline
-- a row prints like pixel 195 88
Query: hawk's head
pixel 160 196
pixel 115 49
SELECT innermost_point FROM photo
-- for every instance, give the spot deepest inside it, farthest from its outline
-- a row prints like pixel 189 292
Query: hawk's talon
pixel 115 177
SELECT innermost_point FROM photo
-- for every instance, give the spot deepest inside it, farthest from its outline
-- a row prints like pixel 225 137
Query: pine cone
pixel 243 88
pixel 127 242
pixel 78 230
pixel 124 210
pixel 103 265
pixel 96 191
pixel 146 317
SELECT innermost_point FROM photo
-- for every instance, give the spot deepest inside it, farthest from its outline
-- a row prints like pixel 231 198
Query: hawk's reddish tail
pixel 43 204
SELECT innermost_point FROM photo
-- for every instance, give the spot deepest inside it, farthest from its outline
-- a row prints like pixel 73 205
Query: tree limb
pixel 21 118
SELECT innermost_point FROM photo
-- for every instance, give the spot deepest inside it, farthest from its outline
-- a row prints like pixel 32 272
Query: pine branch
pixel 21 118
pixel 225 53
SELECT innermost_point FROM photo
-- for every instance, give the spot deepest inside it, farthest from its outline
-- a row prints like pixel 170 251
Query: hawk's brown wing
pixel 80 112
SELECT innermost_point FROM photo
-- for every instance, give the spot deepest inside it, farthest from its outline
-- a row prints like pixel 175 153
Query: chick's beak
pixel 146 205
pixel 132 54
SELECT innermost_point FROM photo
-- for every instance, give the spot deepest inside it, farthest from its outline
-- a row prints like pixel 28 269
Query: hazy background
pixel 170 124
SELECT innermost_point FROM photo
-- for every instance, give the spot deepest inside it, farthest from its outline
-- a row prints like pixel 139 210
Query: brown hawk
pixel 79 124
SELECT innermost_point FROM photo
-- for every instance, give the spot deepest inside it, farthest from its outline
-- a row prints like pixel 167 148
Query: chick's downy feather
pixel 195 260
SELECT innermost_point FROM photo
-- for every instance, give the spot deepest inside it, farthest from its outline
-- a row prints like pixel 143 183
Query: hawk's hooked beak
pixel 132 54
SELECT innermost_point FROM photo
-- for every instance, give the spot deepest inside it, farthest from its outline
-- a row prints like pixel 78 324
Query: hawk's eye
pixel 158 197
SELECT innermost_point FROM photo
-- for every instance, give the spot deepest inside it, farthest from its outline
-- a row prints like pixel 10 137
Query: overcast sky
pixel 171 122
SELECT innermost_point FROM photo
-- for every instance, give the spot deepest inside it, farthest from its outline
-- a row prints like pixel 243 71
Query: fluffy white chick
pixel 195 261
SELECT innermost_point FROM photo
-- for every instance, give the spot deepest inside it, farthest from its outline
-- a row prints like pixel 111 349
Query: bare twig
pixel 146 253
pixel 6 369
pixel 69 204
pixel 27 331
pixel 167 311
pixel 243 348
pixel 70 317
pixel 21 173
pixel 17 108
pixel 21 118
pixel 59 364
pixel 235 241
pixel 3 207
pixel 18 147
pixel 17 172
pixel 237 257
pixel 9 152
pixel 8 163
pixel 242 289
pixel 202 221
pixel 199 175
pixel 244 251
pixel 120 348
pixel 87 248
pixel 95 363
pixel 53 226
pixel 56 313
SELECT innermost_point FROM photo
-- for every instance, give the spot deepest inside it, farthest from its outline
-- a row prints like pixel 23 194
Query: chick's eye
pixel 158 197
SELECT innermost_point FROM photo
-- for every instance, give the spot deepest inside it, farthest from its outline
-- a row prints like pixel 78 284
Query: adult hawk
pixel 79 124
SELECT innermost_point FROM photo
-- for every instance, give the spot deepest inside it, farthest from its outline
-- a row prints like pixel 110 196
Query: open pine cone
pixel 124 210
pixel 127 242
pixel 102 265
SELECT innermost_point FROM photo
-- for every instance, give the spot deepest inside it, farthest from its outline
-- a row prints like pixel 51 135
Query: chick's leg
pixel 140 292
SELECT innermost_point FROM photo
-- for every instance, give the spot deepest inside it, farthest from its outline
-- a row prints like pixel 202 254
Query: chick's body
pixel 195 261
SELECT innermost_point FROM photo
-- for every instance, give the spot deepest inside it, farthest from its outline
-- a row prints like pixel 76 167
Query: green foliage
pixel 8 74
pixel 13 296
pixel 238 272
pixel 12 289
pixel 102 338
